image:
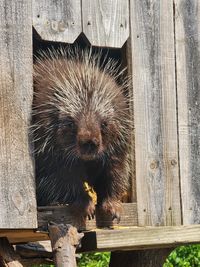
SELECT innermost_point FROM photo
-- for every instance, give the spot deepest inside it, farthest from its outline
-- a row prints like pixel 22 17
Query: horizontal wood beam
pixel 111 236
pixel 124 238
pixel 16 236
pixel 137 238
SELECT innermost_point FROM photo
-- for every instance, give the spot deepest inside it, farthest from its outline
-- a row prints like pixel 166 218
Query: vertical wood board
pixel 128 54
pixel 106 22
pixel 56 20
pixel 156 148
pixel 17 189
pixel 187 28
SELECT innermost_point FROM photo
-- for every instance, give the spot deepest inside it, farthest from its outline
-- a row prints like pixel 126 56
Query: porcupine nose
pixel 89 146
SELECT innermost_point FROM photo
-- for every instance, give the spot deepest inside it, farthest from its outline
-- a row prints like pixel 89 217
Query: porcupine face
pixel 80 108
pixel 89 133
pixel 81 134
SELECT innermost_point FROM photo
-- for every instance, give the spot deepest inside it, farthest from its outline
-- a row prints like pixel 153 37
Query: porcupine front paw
pixel 84 207
pixel 90 210
pixel 112 207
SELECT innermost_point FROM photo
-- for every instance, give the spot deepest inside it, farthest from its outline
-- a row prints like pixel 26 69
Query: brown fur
pixel 77 139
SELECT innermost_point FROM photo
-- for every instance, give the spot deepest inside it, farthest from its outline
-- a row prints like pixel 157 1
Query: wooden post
pixel 155 113
pixel 187 31
pixel 64 240
pixel 142 258
pixel 17 190
pixel 155 117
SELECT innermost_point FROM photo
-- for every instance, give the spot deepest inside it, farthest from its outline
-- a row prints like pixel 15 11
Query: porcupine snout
pixel 89 146
pixel 89 142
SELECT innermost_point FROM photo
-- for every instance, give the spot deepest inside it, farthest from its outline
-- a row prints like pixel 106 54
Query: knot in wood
pixel 154 164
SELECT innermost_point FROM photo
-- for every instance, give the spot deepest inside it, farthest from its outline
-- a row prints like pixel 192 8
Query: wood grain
pixel 57 20
pixel 146 237
pixel 187 28
pixel 106 22
pixel 64 241
pixel 17 189
pixel 156 149
pixel 124 238
pixel 63 214
pixel 23 235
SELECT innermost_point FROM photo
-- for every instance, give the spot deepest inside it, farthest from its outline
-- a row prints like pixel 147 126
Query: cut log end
pixel 64 241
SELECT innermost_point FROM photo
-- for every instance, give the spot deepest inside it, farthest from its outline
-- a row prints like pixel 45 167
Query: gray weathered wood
pixel 57 20
pixel 187 28
pixel 126 238
pixel 137 238
pixel 63 214
pixel 157 174
pixel 106 22
pixel 64 241
pixel 17 193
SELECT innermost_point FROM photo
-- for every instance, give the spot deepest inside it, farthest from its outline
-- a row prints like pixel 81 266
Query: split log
pixel 64 240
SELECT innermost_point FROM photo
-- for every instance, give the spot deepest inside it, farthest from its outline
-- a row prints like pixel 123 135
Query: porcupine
pixel 80 127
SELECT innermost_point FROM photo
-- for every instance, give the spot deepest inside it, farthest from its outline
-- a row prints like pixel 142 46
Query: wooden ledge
pixel 124 238
pixel 64 214
pixel 136 238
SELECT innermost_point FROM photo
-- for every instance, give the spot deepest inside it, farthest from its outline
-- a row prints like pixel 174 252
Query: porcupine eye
pixel 104 126
pixel 70 124
pixel 67 123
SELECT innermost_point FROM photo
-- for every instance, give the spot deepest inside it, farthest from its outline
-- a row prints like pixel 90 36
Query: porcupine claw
pixel 83 208
pixel 117 217
pixel 90 210
pixel 112 207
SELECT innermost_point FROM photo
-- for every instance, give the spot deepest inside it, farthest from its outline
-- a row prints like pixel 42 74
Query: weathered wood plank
pixel 17 193
pixel 157 174
pixel 58 21
pixel 187 28
pixel 136 238
pixel 23 236
pixel 106 22
pixel 127 238
pixel 63 214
